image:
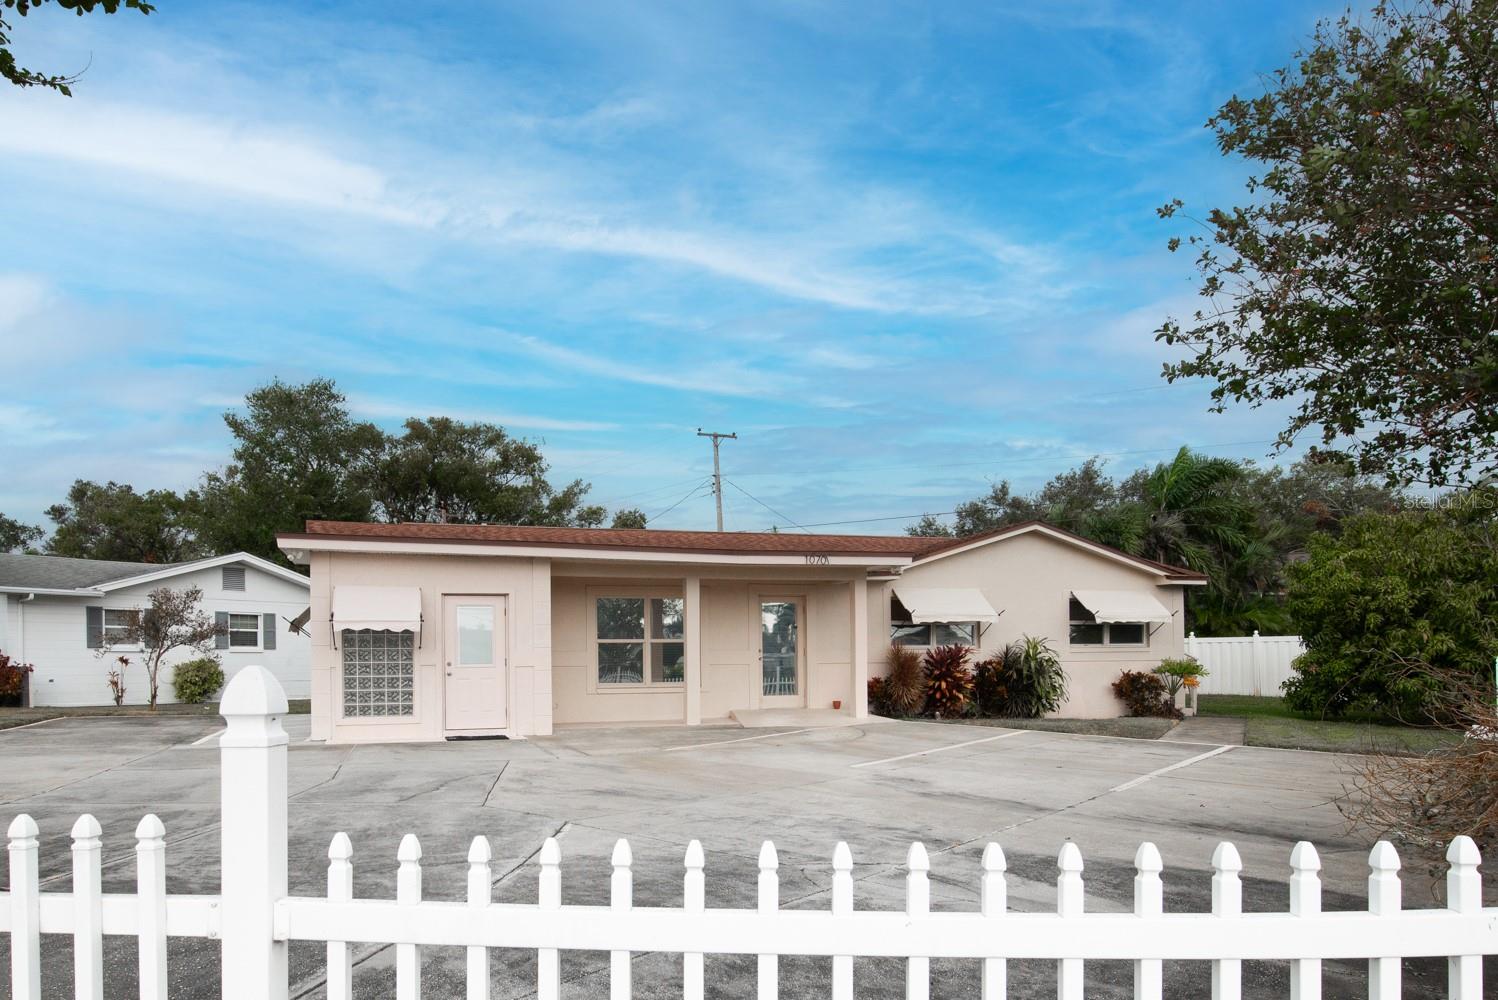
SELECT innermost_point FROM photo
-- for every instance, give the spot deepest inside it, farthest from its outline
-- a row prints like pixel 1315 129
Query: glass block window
pixel 379 673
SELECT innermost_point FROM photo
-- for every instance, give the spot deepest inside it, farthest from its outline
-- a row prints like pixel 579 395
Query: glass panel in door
pixel 778 628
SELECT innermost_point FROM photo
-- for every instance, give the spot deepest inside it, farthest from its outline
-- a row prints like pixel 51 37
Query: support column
pixel 252 753
pixel 859 588
pixel 691 591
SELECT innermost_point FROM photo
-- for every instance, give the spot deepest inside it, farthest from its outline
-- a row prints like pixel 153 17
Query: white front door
pixel 474 663
pixel 782 652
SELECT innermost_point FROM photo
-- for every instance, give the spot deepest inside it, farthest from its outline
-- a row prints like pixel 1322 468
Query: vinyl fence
pixel 254 917
pixel 1245 664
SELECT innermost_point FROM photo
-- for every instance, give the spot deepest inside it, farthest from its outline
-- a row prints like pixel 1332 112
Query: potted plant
pixel 1184 672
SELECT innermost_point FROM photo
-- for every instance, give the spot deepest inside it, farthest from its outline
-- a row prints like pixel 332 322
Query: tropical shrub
pixel 117 679
pixel 1397 610
pixel 1178 673
pixel 949 682
pixel 1024 680
pixel 905 682
pixel 12 678
pixel 1145 694
pixel 878 698
pixel 195 681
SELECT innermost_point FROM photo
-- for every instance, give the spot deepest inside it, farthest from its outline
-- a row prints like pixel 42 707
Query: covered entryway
pixel 475 664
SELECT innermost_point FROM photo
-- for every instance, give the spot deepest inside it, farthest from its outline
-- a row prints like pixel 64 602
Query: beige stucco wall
pixel 730 642
pixel 526 583
pixel 1029 578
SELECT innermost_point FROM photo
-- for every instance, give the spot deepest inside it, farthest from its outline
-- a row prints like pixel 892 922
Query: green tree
pixel 298 456
pixel 172 620
pixel 23 77
pixel 112 521
pixel 634 517
pixel 442 469
pixel 17 535
pixel 1360 283
pixel 1395 603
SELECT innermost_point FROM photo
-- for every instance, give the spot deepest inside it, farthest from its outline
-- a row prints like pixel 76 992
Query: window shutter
pixel 221 619
pixel 268 632
pixel 93 618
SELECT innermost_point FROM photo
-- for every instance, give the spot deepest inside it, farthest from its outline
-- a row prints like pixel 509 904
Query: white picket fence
pixel 254 917
pixel 1245 664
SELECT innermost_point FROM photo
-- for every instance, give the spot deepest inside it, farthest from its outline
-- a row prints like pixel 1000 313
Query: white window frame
pixel 594 685
pixel 1107 628
pixel 259 634
pixel 122 647
pixel 929 626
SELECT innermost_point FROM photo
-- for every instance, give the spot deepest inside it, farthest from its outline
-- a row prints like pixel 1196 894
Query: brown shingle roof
pixel 724 542
pixel 749 542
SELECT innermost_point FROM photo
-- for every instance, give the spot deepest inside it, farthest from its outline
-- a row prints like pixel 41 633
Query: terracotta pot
pixel 837 705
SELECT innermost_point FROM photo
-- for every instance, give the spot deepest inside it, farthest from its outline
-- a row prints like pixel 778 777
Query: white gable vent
pixel 233 577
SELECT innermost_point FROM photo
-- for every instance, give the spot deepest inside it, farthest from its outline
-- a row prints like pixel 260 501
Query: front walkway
pixel 1221 730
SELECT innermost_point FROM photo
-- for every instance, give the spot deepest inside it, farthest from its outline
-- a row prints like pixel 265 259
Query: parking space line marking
pixel 1173 767
pixel 954 746
pixel 741 739
pixel 204 739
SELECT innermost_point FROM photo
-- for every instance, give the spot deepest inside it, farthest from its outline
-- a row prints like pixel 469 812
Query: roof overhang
pixel 299 548
pixel 1164 578
pixel 1123 606
pixel 233 558
pixel 945 604
pixel 53 591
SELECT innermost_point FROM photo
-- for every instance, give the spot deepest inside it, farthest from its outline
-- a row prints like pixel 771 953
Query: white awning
pixel 397 609
pixel 946 604
pixel 1122 606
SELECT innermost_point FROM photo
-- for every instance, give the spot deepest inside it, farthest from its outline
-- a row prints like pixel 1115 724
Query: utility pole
pixel 717 475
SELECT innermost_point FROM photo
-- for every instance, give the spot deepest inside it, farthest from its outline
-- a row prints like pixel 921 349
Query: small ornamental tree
pixel 171 621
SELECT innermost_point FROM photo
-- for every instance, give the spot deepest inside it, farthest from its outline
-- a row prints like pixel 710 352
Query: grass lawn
pixel 12 717
pixel 1272 724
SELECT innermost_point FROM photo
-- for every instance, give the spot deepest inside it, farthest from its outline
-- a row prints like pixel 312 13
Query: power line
pixel 891 517
pixel 662 488
pixel 766 506
pixel 694 492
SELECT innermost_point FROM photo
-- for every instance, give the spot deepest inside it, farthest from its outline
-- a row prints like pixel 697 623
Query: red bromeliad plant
pixel 12 677
pixel 949 682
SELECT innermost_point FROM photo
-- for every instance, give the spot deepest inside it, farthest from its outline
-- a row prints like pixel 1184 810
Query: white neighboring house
pixel 60 614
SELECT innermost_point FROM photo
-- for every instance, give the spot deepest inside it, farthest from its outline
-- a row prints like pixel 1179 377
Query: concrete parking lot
pixel 878 786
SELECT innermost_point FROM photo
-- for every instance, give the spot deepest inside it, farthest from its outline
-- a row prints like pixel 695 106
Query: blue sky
pixel 903 250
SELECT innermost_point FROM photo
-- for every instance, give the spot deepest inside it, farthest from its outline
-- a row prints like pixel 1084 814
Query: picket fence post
pixel 1463 895
pixel 1149 901
pixel 1305 901
pixel 252 754
pixel 769 904
pixel 993 903
pixel 150 902
pixel 25 910
pixel 1069 903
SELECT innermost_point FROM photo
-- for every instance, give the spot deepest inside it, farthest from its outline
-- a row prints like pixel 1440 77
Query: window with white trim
pixel 933 634
pixel 244 631
pixel 640 640
pixel 118 623
pixel 1086 630
pixel 379 674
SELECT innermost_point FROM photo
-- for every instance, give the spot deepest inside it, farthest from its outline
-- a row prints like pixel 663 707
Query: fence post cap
pixel 551 852
pixel 410 849
pixel 768 859
pixel 993 858
pixel 340 848
pixel 623 856
pixel 1226 858
pixel 694 858
pixel 916 858
pixel 1463 851
pixel 23 827
pixel 842 858
pixel 1147 858
pixel 1383 857
pixel 478 851
pixel 1304 857
pixel 253 690
pixel 86 828
pixel 1070 858
pixel 149 828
